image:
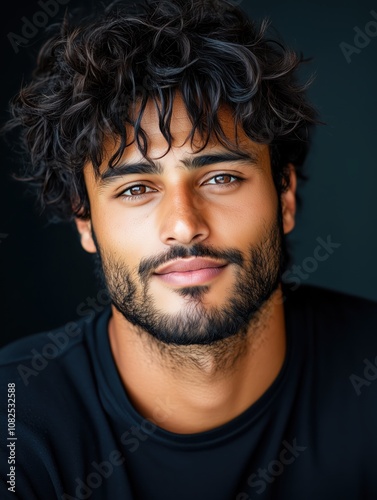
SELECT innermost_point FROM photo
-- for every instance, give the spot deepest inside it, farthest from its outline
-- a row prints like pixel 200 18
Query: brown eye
pixel 136 190
pixel 223 179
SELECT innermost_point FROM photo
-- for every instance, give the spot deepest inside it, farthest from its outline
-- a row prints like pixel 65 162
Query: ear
pixel 84 227
pixel 288 201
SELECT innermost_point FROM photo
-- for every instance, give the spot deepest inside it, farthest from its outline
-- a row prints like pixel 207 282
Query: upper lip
pixel 185 265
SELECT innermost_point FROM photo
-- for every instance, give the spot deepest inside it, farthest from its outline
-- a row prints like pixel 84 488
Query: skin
pixel 181 388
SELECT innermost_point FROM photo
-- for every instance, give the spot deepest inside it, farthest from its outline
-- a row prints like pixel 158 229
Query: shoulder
pixel 51 375
pixel 53 343
pixel 49 354
pixel 342 343
pixel 334 308
pixel 52 396
pixel 338 322
pixel 31 355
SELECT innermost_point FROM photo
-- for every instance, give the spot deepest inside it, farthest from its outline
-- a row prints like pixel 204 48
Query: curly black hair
pixel 91 75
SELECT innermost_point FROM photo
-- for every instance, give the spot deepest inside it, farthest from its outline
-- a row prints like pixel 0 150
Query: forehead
pixel 182 145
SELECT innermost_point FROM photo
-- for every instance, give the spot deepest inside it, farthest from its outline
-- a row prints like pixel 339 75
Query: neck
pixel 190 389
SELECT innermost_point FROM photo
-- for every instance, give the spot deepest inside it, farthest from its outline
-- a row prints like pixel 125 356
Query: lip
pixel 190 272
pixel 189 265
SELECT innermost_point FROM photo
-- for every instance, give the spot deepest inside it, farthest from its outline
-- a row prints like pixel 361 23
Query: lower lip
pixel 191 278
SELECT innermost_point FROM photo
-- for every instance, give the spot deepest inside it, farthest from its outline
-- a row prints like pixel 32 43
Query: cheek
pixel 249 217
pixel 122 236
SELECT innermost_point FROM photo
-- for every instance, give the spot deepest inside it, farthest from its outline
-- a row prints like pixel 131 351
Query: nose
pixel 183 218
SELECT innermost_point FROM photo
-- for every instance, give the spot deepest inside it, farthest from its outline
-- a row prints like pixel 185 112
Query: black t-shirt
pixel 311 436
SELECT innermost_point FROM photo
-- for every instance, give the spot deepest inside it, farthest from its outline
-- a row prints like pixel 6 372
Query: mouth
pixel 190 272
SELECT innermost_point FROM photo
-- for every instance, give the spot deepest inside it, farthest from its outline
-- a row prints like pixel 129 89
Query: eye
pixel 223 179
pixel 136 191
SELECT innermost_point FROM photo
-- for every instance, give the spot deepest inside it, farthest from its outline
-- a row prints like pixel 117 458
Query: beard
pixel 257 276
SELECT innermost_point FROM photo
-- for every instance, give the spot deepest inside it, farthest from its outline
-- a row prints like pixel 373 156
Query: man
pixel 174 137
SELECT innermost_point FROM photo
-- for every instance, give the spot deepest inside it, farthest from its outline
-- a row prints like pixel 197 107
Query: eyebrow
pixel 155 167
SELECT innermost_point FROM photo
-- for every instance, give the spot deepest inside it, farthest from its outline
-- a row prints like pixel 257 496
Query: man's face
pixel 190 247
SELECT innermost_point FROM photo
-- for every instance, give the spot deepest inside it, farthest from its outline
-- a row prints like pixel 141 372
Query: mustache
pixel 148 265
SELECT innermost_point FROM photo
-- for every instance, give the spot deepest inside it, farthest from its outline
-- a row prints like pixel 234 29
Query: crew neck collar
pixel 117 404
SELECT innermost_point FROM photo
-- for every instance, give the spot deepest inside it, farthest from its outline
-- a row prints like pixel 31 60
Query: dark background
pixel 44 273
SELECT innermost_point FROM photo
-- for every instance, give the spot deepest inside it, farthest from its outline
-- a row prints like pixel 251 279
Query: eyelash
pixel 133 197
pixel 228 185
